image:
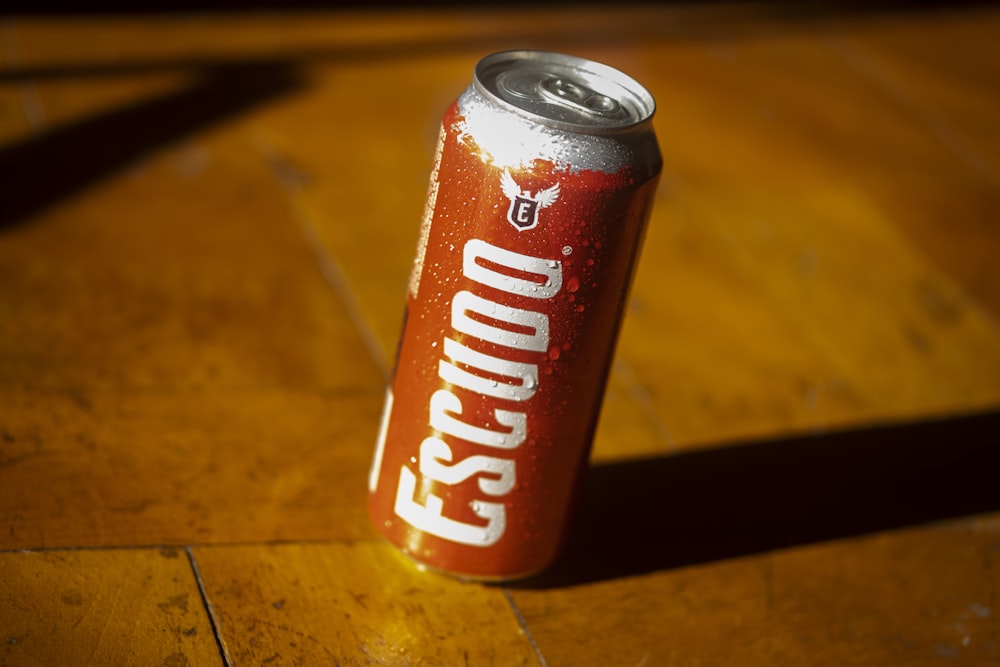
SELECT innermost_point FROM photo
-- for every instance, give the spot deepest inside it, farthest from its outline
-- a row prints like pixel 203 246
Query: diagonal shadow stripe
pixel 646 515
pixel 39 172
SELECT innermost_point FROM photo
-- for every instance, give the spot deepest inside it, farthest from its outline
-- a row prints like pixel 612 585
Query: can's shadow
pixel 641 516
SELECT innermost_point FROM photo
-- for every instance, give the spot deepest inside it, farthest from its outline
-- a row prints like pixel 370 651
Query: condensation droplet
pixel 567 250
pixel 579 308
pixel 573 284
pixel 530 382
pixel 554 352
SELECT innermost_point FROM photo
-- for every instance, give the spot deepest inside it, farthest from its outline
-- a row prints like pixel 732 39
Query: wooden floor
pixel 206 227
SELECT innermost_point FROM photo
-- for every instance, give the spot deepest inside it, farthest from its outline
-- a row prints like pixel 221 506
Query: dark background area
pixel 791 7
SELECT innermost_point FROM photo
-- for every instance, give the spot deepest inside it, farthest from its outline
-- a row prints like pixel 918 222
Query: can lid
pixel 564 91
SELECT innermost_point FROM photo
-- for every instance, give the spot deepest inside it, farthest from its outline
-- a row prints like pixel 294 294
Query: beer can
pixel 542 184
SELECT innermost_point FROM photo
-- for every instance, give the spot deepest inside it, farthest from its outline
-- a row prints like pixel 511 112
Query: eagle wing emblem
pixel 510 188
pixel 548 196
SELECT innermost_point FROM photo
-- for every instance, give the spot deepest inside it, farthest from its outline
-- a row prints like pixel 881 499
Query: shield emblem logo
pixel 523 212
pixel 524 207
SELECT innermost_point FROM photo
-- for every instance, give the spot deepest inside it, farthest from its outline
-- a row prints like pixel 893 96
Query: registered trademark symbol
pixel 567 250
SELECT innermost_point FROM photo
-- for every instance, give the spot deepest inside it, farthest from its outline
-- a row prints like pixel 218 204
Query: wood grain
pixel 204 279
pixel 171 355
pixel 913 597
pixel 774 258
pixel 168 468
pixel 206 228
pixel 107 607
pixel 359 603
pixel 952 103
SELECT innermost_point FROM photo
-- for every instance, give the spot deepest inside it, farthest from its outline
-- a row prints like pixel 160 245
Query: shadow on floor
pixel 653 514
pixel 41 171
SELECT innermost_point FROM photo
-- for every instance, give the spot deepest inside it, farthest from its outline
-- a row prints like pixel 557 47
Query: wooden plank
pixel 766 208
pixel 358 36
pixel 103 468
pixel 14 123
pixel 948 91
pixel 20 108
pixel 629 426
pixel 135 607
pixel 357 174
pixel 353 603
pixel 357 167
pixel 779 291
pixel 177 370
pixel 795 300
pixel 914 597
pixel 48 103
pixel 174 368
pixel 187 270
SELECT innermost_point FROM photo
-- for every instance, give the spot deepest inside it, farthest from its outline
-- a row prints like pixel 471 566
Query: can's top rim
pixel 565 92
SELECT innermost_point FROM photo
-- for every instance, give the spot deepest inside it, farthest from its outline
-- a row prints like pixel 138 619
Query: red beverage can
pixel 543 180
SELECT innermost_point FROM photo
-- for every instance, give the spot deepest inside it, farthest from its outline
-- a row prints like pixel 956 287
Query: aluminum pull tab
pixel 571 94
pixel 562 91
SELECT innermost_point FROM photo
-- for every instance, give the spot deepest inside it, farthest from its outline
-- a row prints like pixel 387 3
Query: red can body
pixel 544 176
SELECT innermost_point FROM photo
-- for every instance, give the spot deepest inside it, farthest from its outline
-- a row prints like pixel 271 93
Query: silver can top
pixel 564 91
